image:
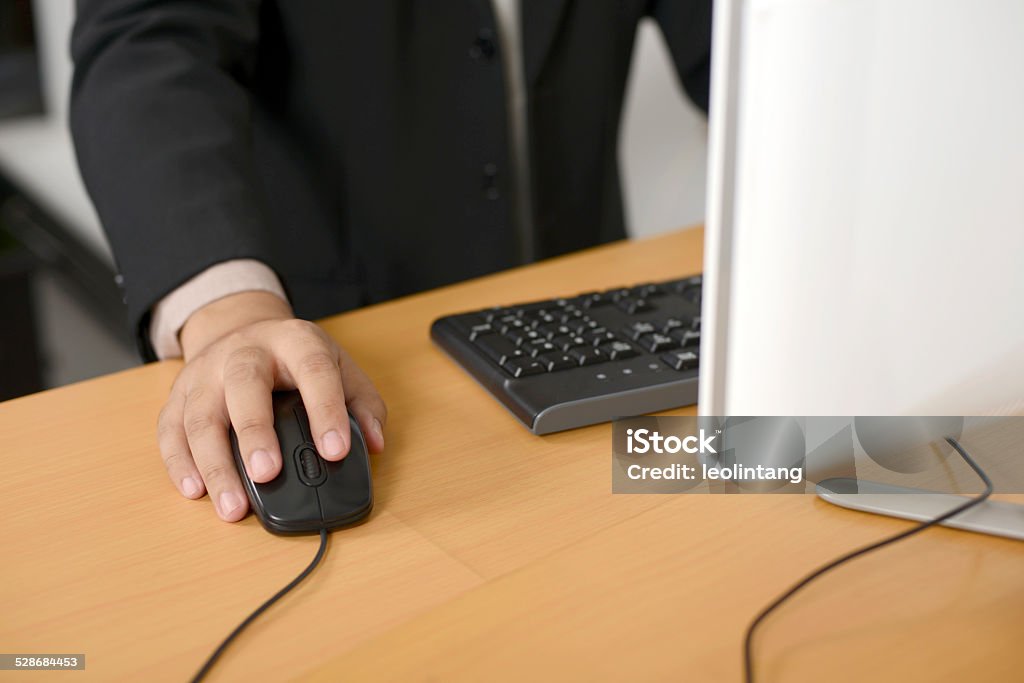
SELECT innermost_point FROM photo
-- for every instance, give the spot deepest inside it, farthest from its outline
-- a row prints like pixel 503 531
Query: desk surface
pixel 492 554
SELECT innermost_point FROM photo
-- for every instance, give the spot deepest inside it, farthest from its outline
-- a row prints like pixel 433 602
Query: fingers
pixel 174 448
pixel 248 383
pixel 231 382
pixel 312 361
pixel 206 429
pixel 364 403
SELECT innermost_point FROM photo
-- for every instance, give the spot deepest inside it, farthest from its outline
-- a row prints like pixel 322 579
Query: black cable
pixel 261 609
pixel 748 642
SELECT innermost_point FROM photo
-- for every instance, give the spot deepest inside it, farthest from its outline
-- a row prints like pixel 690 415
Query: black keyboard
pixel 565 363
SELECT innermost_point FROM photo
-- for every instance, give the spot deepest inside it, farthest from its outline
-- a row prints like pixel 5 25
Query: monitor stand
pixel 991 517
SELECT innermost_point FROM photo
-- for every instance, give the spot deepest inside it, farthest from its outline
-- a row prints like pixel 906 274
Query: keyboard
pixel 564 363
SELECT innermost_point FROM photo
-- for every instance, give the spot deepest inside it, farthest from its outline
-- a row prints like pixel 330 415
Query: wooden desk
pixel 492 554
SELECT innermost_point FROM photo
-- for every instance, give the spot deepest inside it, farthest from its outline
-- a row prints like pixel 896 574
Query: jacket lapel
pixel 541 20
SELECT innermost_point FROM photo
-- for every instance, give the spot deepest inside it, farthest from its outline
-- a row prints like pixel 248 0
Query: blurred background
pixel 61 317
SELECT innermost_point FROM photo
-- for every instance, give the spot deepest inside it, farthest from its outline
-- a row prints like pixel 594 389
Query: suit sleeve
pixel 686 25
pixel 161 116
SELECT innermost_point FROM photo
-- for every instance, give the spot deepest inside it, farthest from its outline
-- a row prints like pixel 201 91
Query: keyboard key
pixel 496 314
pixel 588 356
pixel 648 291
pixel 530 309
pixel 522 336
pixel 686 338
pixel 636 330
pixel 695 325
pixel 538 346
pixel 672 324
pixel 597 338
pixel 619 350
pixel 546 319
pixel 681 360
pixel 571 342
pixel 561 341
pixel 570 315
pixel 499 349
pixel 558 361
pixel 552 331
pixel 594 300
pixel 575 301
pixel 466 322
pixel 618 294
pixel 634 306
pixel 581 325
pixel 524 367
pixel 657 342
pixel 681 286
pixel 515 323
pixel 480 330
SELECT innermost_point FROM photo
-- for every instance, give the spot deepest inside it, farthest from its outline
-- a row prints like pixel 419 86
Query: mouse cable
pixel 748 641
pixel 261 609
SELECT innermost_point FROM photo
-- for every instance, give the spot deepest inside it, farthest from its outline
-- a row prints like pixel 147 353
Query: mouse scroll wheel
pixel 309 461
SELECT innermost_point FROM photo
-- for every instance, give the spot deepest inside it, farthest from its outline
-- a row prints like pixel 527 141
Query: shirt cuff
pixel 216 282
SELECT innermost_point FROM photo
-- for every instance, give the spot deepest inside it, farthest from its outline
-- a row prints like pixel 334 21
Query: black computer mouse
pixel 310 493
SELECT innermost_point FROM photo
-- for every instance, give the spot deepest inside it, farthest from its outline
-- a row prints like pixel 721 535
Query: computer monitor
pixel 864 248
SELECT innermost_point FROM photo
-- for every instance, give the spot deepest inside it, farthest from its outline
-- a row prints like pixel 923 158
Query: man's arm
pixel 161 116
pixel 216 282
pixel 686 25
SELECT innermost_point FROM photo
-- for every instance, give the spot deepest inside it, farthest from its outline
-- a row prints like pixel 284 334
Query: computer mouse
pixel 310 493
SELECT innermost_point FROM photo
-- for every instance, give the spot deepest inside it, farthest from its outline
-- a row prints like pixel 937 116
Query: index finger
pixel 314 368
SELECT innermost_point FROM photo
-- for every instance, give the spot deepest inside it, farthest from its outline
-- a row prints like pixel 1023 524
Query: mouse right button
pixel 347 494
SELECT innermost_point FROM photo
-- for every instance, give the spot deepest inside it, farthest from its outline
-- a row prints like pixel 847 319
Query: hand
pixel 237 350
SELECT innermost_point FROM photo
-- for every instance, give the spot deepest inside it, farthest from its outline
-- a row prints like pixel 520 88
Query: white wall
pixel 663 145
pixel 53 20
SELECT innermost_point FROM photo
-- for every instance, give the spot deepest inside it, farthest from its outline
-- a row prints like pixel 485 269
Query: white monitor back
pixel 865 238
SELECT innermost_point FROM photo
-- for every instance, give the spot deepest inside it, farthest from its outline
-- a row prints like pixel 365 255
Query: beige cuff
pixel 216 282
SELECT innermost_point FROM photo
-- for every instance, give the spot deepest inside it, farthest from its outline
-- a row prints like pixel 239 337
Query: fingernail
pixel 190 487
pixel 378 430
pixel 333 444
pixel 260 463
pixel 229 502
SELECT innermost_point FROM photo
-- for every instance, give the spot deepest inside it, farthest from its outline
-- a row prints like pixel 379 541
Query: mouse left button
pixel 286 423
pixel 284 504
pixel 302 420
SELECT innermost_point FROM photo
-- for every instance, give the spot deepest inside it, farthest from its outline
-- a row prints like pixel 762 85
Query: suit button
pixel 484 47
pixel 490 181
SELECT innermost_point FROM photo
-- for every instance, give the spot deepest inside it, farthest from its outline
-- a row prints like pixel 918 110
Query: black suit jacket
pixel 358 148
